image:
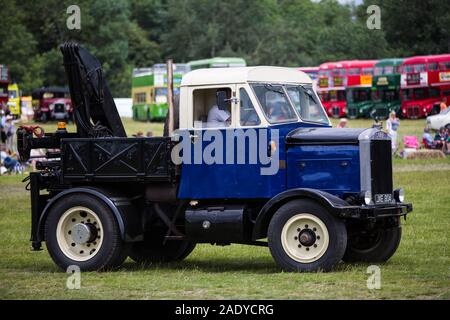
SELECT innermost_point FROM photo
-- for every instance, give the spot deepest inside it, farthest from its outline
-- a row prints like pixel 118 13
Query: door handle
pixel 194 138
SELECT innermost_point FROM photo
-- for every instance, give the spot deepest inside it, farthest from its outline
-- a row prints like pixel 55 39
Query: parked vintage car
pixel 439 120
pixel 52 103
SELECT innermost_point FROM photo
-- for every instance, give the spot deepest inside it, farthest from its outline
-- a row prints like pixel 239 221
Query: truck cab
pixel 262 102
pixel 251 158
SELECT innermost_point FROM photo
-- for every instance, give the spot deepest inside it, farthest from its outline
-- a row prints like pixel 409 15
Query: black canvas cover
pixel 95 112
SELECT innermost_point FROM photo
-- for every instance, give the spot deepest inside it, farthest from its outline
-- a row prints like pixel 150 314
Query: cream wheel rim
pixel 305 238
pixel 79 233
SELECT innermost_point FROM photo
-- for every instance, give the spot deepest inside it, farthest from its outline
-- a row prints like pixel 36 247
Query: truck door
pixel 206 173
pixel 251 146
pixel 241 169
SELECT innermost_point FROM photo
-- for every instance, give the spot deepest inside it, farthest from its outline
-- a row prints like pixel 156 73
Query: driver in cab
pixel 218 115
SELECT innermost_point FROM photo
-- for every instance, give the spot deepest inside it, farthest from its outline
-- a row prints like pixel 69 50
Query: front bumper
pixel 375 211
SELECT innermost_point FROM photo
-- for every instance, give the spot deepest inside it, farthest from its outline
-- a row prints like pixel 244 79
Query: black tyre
pixel 81 230
pixel 304 236
pixel 375 246
pixel 154 250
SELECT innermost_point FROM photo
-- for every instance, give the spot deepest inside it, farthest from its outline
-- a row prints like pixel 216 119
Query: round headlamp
pixel 399 195
pixel 366 197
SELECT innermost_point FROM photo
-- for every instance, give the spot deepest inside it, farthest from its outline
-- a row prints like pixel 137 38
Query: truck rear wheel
pixel 304 236
pixel 375 246
pixel 81 230
pixel 154 250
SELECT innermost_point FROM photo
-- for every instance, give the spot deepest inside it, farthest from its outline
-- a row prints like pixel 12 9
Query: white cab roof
pixel 216 76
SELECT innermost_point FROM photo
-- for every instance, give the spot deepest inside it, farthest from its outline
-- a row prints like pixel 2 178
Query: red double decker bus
pixel 425 81
pixel 313 73
pixel 4 81
pixel 331 88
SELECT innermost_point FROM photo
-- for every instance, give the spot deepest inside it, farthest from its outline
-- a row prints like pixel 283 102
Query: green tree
pixel 18 47
pixel 125 34
pixel 195 29
pixel 415 27
pixel 105 31
pixel 148 15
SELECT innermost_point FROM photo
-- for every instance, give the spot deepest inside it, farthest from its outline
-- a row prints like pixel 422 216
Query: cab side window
pixel 208 111
pixel 248 115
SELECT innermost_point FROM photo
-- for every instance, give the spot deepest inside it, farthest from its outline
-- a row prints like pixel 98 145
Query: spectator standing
pixel 392 125
pixel 10 131
pixel 2 127
pixel 443 104
pixel 342 123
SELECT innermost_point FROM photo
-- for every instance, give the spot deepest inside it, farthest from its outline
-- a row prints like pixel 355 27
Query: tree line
pixel 125 34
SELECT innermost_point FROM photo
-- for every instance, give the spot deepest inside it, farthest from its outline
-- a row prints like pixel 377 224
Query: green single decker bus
pixel 386 87
pixel 358 88
pixel 149 91
pixel 217 62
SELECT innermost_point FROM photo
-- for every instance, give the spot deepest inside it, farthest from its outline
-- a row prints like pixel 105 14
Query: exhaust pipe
pixel 170 101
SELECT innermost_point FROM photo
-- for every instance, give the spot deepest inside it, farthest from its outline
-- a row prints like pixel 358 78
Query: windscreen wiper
pixel 270 87
pixel 309 92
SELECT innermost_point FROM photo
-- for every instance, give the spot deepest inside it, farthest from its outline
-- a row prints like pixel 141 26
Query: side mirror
pixel 222 100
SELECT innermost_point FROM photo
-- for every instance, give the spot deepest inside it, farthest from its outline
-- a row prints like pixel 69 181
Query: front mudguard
pixel 335 206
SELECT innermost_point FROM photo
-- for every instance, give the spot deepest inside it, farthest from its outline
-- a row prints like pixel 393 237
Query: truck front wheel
pixel 373 246
pixel 153 249
pixel 303 236
pixel 81 230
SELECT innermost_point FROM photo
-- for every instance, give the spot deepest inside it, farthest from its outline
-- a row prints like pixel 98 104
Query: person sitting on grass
pixel 445 137
pixel 447 144
pixel 440 138
pixel 427 139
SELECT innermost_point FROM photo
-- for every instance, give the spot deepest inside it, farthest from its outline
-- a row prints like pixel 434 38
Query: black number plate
pixel 383 198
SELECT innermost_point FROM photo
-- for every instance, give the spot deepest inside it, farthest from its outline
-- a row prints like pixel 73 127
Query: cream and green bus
pixel 149 91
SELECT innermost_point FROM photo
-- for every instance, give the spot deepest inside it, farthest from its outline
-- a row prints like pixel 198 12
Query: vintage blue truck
pixel 272 172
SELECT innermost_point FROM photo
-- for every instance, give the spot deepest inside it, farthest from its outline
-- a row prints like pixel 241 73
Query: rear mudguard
pixel 127 216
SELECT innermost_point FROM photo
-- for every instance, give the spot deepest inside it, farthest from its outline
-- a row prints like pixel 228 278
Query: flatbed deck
pixel 116 159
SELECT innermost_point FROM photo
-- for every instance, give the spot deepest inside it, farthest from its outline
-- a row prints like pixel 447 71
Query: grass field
pixel 420 269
